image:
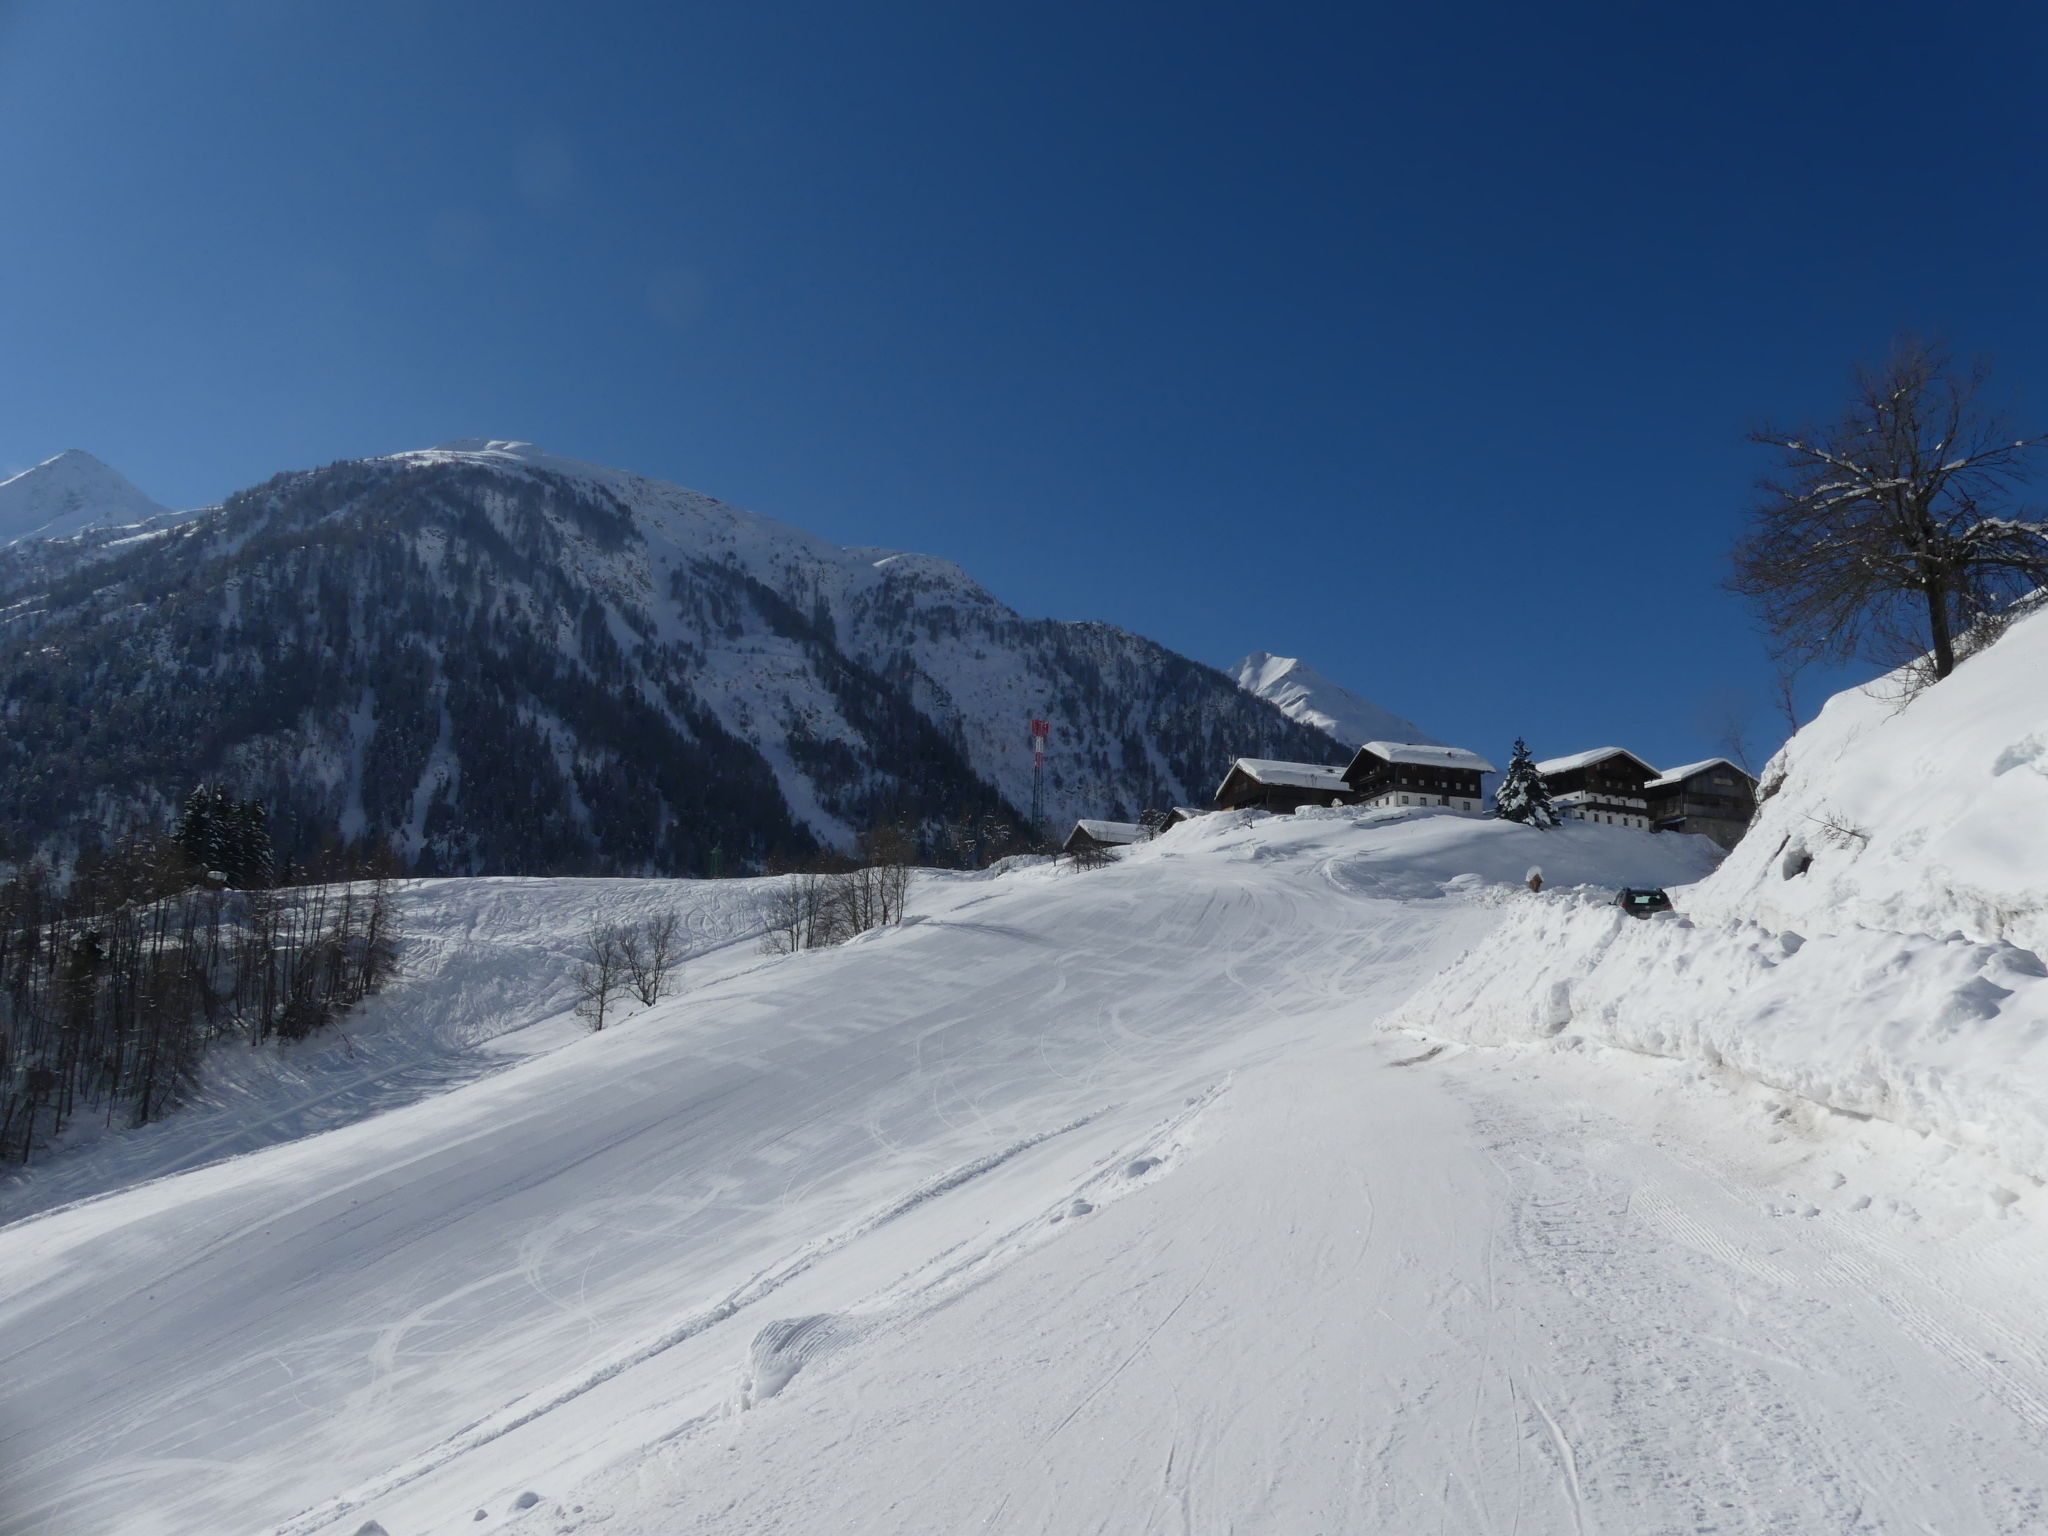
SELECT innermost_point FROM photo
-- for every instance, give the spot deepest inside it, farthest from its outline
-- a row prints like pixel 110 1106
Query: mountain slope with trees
pixel 497 660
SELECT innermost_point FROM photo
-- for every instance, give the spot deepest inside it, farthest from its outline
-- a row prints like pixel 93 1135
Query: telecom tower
pixel 1041 733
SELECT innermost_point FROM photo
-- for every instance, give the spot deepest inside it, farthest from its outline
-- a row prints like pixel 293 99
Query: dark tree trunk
pixel 1938 627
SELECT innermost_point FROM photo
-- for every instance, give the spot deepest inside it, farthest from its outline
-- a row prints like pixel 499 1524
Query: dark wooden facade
pixel 1091 836
pixel 1282 788
pixel 1382 773
pixel 1606 787
pixel 1715 798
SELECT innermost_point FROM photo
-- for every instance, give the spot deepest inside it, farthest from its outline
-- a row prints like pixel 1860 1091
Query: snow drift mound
pixel 1920 815
pixel 1870 945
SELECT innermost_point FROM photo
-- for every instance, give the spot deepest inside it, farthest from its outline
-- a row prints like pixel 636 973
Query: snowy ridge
pixel 1874 944
pixel 68 494
pixel 1302 693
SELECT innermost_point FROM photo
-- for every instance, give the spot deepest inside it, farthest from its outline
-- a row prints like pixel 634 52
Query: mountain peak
pixel 1302 693
pixel 67 494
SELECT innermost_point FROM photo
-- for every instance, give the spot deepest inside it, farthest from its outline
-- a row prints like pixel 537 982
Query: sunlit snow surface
pixel 1304 694
pixel 1084 1202
pixel 1875 943
pixel 68 494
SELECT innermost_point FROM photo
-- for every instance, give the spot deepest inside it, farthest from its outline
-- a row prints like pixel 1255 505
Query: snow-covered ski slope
pixel 488 978
pixel 1083 1202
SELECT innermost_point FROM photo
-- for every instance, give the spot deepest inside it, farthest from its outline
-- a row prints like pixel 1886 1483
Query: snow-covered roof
pixel 1264 770
pixel 1110 831
pixel 1675 776
pixel 1423 755
pixel 1586 759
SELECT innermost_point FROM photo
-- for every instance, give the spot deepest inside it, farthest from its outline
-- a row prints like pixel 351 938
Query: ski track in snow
pixel 1083 1203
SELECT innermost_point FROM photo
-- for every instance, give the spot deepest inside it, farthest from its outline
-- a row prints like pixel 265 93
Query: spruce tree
pixel 202 828
pixel 249 860
pixel 1522 795
pixel 223 836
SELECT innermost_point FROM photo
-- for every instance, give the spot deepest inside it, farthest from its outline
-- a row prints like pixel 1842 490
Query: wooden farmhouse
pixel 1714 797
pixel 1096 836
pixel 1605 785
pixel 1408 773
pixel 1180 814
pixel 1257 783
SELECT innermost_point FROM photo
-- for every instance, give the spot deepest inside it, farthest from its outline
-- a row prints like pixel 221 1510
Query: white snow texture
pixel 1872 945
pixel 1107 1201
pixel 1302 693
pixel 68 494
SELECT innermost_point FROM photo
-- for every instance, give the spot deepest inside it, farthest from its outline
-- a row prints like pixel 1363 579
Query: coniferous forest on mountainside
pixel 487 668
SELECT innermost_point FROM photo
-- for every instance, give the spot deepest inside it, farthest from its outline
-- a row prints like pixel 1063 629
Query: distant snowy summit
pixel 67 495
pixel 1302 693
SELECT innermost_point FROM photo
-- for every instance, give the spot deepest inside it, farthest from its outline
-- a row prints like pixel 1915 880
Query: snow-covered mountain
pixel 504 660
pixel 67 495
pixel 1302 693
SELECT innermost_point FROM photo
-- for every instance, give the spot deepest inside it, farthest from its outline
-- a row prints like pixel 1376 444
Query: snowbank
pixel 1919 815
pixel 1943 1035
pixel 1870 945
pixel 1420 853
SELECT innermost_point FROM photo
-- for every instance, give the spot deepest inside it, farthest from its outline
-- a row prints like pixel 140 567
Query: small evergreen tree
pixel 1522 795
pixel 203 830
pixel 251 863
pixel 223 836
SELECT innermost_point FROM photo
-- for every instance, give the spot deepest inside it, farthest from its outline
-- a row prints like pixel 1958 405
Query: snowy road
pixel 1088 1203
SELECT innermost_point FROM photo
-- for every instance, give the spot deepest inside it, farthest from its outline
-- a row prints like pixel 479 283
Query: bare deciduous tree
pixel 874 894
pixel 802 912
pixel 1725 715
pixel 1086 856
pixel 820 906
pixel 1891 534
pixel 649 949
pixel 601 976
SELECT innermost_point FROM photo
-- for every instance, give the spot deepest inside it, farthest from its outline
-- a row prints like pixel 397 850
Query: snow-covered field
pixel 1082 1202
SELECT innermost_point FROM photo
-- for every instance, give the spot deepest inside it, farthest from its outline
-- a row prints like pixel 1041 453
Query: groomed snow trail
pixel 1086 1203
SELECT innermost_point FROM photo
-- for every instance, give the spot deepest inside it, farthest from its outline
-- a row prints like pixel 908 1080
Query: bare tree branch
pixel 1891 530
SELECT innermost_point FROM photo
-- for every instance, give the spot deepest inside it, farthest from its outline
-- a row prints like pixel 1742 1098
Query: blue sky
pixel 1417 341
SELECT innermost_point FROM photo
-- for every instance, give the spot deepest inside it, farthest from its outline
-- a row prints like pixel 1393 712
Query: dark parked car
pixel 1641 900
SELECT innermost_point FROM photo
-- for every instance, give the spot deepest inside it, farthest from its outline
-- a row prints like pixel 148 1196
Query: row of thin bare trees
pixel 828 903
pixel 113 988
pixel 624 960
pixel 812 906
